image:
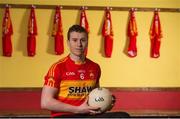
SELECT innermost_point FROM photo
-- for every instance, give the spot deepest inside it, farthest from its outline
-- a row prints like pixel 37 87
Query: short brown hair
pixel 76 28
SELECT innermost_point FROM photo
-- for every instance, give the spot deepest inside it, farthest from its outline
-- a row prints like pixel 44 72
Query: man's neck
pixel 77 58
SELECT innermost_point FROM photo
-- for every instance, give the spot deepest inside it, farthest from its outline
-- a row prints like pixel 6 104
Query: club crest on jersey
pixel 91 75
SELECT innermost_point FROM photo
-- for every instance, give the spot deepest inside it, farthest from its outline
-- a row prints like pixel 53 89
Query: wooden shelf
pixel 66 7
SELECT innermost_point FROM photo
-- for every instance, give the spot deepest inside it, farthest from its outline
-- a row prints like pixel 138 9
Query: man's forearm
pixel 55 105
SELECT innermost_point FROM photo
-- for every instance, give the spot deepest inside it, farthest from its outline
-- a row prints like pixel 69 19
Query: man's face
pixel 77 43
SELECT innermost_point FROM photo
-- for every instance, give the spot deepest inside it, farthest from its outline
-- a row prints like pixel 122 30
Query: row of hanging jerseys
pixel 107 33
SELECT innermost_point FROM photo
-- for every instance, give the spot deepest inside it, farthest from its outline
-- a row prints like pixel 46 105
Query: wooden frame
pixel 66 7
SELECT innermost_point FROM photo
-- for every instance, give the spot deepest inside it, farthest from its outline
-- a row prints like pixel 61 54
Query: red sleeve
pixel 98 74
pixel 52 78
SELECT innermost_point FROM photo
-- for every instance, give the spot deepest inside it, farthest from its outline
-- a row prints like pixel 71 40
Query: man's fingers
pixel 94 108
pixel 92 112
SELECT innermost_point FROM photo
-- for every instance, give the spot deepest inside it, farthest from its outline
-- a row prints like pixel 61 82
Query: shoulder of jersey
pixel 91 62
pixel 61 61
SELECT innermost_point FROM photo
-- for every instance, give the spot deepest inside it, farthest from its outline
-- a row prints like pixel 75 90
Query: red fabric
pixel 59 44
pixel 108 43
pixel 32 32
pixel 31 45
pixel 107 32
pixel 155 36
pixel 58 33
pixel 132 33
pixel 83 20
pixel 84 23
pixel 7 31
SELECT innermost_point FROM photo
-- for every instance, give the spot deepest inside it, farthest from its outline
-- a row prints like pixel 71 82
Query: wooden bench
pixel 25 102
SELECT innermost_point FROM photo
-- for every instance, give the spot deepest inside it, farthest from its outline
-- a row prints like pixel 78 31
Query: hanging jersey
pixel 73 80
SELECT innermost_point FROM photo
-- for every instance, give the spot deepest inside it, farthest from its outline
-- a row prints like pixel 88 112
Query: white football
pixel 100 97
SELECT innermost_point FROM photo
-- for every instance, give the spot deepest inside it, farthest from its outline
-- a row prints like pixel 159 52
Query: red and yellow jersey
pixel 73 80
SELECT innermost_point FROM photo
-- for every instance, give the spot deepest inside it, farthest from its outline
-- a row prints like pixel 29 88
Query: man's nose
pixel 79 43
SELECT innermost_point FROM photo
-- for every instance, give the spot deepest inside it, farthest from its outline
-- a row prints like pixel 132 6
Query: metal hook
pixel 108 8
pixel 133 9
pixel 7 5
pixel 157 9
pixel 60 7
pixel 84 8
pixel 33 6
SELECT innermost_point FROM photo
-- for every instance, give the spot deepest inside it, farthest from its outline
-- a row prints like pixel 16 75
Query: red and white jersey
pixel 73 80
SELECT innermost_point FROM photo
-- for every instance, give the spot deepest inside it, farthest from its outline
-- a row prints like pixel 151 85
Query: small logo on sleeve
pixel 51 82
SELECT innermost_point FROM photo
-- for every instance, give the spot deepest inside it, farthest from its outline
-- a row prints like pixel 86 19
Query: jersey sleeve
pixel 98 73
pixel 52 78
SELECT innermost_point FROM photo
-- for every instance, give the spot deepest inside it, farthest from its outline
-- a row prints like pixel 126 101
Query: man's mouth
pixel 80 49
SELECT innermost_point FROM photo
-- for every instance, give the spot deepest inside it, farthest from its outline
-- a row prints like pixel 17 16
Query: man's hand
pixel 86 109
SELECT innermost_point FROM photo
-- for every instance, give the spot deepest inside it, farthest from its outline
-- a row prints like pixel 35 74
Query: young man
pixel 70 80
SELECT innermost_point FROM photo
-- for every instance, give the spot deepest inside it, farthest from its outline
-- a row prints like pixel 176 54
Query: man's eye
pixel 83 40
pixel 74 40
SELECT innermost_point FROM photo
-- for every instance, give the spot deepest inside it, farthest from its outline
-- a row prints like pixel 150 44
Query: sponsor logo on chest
pixel 70 73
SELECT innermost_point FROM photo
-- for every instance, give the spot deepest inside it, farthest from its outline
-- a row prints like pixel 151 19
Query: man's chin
pixel 79 54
